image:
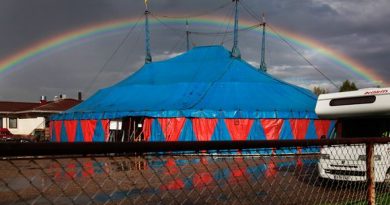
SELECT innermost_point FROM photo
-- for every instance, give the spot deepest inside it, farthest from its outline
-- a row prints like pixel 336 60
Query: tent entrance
pixel 135 129
pixel 130 130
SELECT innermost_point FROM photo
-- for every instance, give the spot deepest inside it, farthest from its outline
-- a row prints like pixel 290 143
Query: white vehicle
pixel 362 113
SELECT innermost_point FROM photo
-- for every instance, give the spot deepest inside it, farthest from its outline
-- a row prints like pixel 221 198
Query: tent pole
pixel 148 56
pixel 187 35
pixel 263 66
pixel 235 50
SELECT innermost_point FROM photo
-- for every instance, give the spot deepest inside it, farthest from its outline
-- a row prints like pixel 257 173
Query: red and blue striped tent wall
pixel 80 131
pixel 197 129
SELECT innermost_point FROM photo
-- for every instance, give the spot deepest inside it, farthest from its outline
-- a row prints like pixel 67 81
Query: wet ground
pixel 191 179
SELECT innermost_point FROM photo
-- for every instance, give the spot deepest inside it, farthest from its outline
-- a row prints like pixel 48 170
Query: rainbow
pixel 79 35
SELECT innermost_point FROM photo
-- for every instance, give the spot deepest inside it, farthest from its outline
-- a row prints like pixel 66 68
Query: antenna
pixel 263 66
pixel 235 50
pixel 187 35
pixel 148 56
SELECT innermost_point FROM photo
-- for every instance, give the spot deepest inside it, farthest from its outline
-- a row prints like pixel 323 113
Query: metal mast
pixel 235 50
pixel 187 35
pixel 263 66
pixel 148 56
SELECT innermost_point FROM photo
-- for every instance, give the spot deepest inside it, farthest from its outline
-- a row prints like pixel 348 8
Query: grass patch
pixel 381 199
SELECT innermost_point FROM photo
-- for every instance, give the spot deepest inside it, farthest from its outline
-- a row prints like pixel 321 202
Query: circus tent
pixel 201 95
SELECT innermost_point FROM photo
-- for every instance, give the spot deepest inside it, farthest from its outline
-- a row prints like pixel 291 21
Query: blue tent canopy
pixel 204 82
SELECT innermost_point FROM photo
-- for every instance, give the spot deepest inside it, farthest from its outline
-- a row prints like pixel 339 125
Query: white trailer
pixel 365 102
pixel 362 113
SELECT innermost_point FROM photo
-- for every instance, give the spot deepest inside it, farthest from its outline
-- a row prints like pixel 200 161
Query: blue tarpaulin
pixel 205 82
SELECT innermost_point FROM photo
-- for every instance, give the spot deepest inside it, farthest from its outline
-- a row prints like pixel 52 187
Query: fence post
pixel 370 170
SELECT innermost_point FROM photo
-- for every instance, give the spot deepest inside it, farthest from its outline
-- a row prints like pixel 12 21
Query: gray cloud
pixel 358 29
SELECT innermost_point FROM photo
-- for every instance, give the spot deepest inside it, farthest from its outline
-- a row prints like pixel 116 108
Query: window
pixel 353 101
pixel 13 123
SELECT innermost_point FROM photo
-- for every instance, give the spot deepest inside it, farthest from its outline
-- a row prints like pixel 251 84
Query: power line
pixel 166 25
pixel 204 33
pixel 226 32
pixel 125 62
pixel 88 87
pixel 228 16
pixel 175 46
pixel 250 11
pixel 300 54
pixel 253 14
pixel 197 15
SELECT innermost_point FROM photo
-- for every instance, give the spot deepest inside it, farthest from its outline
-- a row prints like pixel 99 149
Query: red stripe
pixel 239 128
pixel 88 128
pixel 204 128
pixel 322 127
pixel 106 128
pixel 147 128
pixel 272 128
pixel 57 127
pixel 70 126
pixel 299 128
pixel 172 127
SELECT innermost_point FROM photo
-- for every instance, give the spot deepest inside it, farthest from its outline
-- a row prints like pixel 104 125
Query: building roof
pixel 27 108
pixel 10 107
pixel 204 82
pixel 59 105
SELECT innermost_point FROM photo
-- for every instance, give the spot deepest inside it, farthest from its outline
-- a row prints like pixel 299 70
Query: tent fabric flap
pixel 299 128
pixel 272 128
pixel 204 128
pixel 171 127
pixel 322 128
pixel 187 134
pixel 239 128
pixel 147 128
pixel 106 129
pixel 71 127
pixel 221 132
pixel 57 130
pixel 99 133
pixel 80 130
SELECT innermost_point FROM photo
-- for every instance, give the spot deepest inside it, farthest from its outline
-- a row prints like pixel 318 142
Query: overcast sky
pixel 359 29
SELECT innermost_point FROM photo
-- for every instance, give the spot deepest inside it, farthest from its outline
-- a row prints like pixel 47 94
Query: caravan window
pixel 363 127
pixel 352 101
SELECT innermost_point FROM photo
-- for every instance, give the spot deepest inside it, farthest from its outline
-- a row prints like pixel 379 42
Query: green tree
pixel 348 86
pixel 318 90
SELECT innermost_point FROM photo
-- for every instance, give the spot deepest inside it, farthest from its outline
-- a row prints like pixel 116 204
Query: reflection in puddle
pixel 151 175
pixel 128 165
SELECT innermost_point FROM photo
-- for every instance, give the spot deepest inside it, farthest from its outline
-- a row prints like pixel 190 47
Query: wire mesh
pixel 284 175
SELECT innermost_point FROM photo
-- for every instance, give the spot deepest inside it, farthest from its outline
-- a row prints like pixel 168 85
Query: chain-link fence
pixel 284 172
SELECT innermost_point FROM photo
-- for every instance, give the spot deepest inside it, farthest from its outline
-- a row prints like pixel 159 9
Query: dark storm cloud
pixel 357 28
